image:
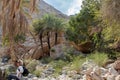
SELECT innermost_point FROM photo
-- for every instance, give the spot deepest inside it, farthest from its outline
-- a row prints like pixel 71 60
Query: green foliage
pixel 32 65
pixel 77 62
pixel 52 50
pixel 37 73
pixel 48 22
pixel 19 37
pixel 45 26
pixel 111 19
pixel 99 58
pixel 46 60
pixel 58 65
pixel 5 41
pixel 38 25
pixel 80 23
pixel 111 32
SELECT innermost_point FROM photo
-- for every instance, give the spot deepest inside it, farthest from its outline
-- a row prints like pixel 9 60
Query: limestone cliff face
pixel 45 8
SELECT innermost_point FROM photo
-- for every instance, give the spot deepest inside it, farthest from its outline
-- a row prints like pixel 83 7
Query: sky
pixel 68 7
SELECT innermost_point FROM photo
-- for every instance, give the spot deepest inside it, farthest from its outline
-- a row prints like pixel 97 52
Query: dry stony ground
pixel 88 71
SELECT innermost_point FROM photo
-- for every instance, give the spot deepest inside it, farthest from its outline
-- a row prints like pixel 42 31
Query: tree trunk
pixel 56 35
pixel 40 37
pixel 48 41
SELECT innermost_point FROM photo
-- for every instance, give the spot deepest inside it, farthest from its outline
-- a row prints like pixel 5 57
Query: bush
pixel 5 41
pixel 32 65
pixel 58 65
pixel 19 37
pixel 46 60
pixel 77 62
pixel 99 58
pixel 37 73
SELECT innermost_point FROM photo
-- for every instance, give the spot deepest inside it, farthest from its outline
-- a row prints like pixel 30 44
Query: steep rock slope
pixel 45 8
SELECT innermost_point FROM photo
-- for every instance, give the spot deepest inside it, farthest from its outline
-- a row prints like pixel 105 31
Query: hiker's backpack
pixel 25 72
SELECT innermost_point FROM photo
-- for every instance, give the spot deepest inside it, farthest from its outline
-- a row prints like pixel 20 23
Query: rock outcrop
pixel 86 47
pixel 45 8
pixel 61 50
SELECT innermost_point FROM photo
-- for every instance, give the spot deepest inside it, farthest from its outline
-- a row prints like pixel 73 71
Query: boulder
pixel 117 65
pixel 34 53
pixel 39 52
pixel 57 51
pixel 85 47
pixel 117 78
pixel 95 76
pixel 61 50
pixel 113 71
pixel 110 77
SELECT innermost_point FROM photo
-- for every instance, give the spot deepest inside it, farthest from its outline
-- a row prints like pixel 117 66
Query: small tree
pixel 39 30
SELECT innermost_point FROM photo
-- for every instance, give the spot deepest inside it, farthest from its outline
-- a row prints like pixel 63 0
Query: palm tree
pixel 49 23
pixel 43 27
pixel 14 20
pixel 58 27
pixel 39 29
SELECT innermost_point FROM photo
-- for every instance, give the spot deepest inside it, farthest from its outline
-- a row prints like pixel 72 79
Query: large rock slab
pixel 60 50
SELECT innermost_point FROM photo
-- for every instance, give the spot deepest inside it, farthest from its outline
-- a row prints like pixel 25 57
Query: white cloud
pixel 75 7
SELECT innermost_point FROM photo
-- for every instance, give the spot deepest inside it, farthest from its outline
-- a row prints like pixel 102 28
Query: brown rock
pixel 84 47
pixel 60 50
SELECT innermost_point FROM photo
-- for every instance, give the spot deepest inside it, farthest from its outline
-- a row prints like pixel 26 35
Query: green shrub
pixel 19 37
pixel 52 50
pixel 77 62
pixel 5 41
pixel 37 73
pixel 58 65
pixel 99 58
pixel 32 65
pixel 46 60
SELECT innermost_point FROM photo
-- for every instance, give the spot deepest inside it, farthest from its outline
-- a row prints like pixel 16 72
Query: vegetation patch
pixel 98 58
